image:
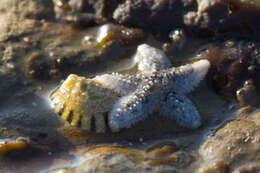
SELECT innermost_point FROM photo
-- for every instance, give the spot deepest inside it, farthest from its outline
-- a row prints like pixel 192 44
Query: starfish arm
pixel 132 108
pixel 184 78
pixel 181 109
pixel 119 83
pixel 150 59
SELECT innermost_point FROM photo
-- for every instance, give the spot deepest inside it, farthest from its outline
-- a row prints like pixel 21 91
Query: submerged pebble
pixel 122 35
pixel 39 66
pixel 167 153
pixel 247 95
pixel 122 159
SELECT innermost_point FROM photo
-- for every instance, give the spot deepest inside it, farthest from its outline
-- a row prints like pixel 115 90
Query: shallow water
pixel 25 110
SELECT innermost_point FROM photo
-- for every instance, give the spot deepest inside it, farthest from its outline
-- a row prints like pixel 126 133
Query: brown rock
pixel 235 144
pixel 13 26
pixel 30 9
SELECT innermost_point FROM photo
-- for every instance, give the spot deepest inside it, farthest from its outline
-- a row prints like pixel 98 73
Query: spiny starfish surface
pixel 156 87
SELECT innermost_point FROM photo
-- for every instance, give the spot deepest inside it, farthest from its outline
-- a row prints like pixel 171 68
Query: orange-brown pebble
pixel 133 153
pixel 244 171
pixel 165 153
pixel 124 36
pixel 62 4
pixel 7 146
pixel 161 150
pixel 26 39
pixel 53 72
pixel 218 167
pixel 179 159
pixel 61 171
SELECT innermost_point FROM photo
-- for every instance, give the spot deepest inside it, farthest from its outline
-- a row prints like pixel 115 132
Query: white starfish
pixel 155 87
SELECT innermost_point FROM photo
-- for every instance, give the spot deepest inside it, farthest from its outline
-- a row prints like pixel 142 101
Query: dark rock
pixel 38 66
pixel 243 18
pixel 232 65
pixel 84 13
pixel 162 15
pixel 208 17
pixel 223 16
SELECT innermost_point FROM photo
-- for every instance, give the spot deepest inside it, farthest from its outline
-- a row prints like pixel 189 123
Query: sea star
pixel 129 98
pixel 156 87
